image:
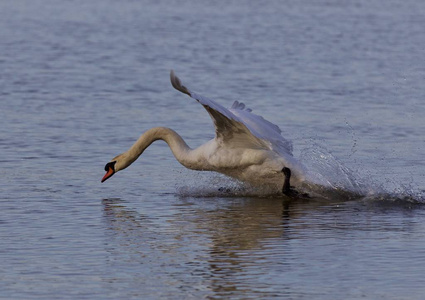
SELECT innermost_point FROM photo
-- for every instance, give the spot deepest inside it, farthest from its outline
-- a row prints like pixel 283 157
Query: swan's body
pixel 246 146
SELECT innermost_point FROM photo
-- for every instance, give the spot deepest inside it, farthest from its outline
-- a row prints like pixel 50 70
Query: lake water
pixel 81 80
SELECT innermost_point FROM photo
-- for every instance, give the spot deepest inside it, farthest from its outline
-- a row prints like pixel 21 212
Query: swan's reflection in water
pixel 214 246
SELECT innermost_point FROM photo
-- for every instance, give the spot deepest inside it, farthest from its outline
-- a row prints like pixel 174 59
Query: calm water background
pixel 81 80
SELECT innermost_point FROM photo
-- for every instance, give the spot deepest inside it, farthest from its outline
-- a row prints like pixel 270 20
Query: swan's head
pixel 116 164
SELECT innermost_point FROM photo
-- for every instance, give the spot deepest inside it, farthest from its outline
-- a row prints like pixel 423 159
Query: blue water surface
pixel 81 80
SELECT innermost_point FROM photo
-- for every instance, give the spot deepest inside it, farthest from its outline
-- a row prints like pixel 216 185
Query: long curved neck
pixel 177 145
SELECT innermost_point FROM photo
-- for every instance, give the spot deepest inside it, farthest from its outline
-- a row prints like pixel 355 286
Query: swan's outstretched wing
pixel 262 128
pixel 238 123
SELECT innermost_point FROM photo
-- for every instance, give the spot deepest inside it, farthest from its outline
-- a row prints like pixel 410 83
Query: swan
pixel 246 147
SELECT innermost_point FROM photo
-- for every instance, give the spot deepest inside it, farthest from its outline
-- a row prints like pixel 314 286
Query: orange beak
pixel 108 174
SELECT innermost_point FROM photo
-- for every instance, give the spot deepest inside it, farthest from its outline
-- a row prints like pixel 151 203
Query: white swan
pixel 246 147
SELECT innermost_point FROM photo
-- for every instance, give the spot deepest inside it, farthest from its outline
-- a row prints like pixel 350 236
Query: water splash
pixel 335 181
pixel 338 181
pixel 326 170
pixel 211 184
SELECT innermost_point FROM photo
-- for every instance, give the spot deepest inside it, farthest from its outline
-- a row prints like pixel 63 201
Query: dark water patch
pixel 401 200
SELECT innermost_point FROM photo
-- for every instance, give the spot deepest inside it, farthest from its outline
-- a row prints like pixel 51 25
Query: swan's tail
pixel 176 83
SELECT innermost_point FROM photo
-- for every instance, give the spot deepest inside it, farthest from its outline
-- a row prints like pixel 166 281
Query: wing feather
pixel 238 123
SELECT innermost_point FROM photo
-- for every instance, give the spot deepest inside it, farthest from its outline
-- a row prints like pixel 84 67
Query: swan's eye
pixel 110 165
